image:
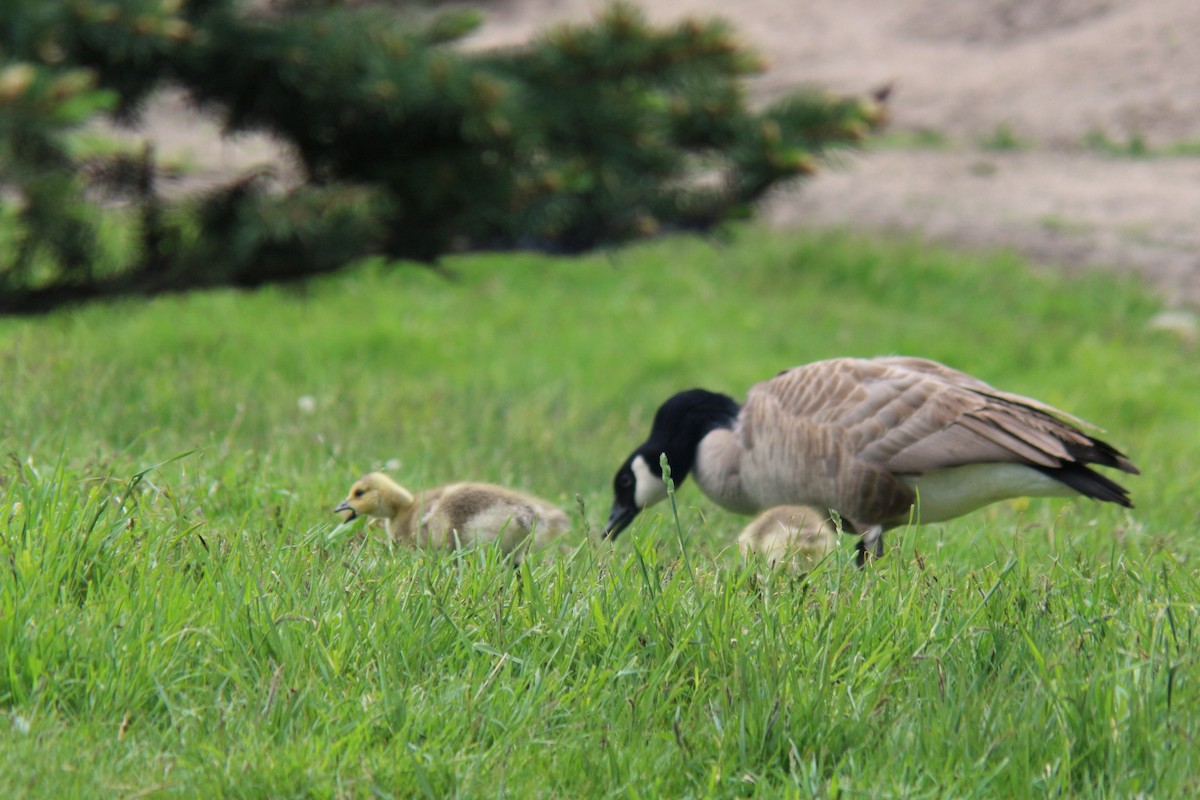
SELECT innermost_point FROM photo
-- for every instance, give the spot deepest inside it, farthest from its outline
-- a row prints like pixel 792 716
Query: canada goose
pixel 869 439
pixel 458 513
pixel 802 535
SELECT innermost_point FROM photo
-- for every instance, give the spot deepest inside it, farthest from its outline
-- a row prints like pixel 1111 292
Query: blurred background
pixel 1066 130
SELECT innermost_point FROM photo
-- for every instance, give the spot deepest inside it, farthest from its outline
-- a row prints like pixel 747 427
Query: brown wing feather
pixel 910 416
pixel 965 381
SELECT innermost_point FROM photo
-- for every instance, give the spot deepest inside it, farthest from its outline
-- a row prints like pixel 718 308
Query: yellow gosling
pixel 798 535
pixel 455 515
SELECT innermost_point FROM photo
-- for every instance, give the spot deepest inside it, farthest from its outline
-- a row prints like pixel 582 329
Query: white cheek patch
pixel 649 487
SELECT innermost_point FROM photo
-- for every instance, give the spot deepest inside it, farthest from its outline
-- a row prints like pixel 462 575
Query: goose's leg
pixel 869 544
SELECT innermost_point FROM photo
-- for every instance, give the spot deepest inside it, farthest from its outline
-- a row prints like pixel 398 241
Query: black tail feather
pixel 1101 453
pixel 1088 483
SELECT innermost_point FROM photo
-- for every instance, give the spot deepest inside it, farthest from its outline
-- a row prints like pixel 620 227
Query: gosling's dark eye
pixel 359 492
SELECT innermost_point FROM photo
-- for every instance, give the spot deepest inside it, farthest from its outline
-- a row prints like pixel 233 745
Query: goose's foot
pixel 870 545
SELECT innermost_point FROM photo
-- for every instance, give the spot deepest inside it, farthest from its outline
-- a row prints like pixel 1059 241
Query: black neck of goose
pixel 681 423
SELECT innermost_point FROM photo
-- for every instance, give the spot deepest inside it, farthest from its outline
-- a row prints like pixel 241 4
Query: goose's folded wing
pixel 955 377
pixel 913 416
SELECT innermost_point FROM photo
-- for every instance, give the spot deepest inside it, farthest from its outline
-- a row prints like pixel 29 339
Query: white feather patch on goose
pixel 948 493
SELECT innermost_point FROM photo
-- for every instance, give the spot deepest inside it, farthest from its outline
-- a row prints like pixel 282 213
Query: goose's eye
pixel 625 481
pixel 359 492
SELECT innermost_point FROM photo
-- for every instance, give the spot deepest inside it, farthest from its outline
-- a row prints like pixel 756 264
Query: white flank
pixel 948 493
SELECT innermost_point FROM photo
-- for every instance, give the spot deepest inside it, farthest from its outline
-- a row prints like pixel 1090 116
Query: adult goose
pixel 880 441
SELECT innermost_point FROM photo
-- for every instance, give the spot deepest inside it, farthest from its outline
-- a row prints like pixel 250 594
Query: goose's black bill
pixel 619 519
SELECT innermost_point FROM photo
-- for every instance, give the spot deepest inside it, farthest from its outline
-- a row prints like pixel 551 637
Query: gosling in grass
pixel 455 515
pixel 799 536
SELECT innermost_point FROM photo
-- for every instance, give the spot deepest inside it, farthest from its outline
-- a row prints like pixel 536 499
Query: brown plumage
pixel 454 515
pixel 878 440
pixel 799 536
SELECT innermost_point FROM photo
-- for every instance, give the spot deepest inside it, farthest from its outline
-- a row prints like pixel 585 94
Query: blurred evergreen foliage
pixel 409 145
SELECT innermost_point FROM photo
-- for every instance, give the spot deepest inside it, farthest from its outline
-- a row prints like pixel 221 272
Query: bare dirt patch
pixel 1042 77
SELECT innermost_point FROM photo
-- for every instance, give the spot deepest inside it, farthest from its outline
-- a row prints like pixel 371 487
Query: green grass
pixel 175 619
pixel 916 139
pixel 1004 139
pixel 1134 146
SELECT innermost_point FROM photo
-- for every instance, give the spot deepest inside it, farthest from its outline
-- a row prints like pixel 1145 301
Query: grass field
pixel 179 616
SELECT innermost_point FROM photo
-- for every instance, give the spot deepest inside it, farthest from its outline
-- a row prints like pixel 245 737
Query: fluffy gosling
pixel 458 514
pixel 798 535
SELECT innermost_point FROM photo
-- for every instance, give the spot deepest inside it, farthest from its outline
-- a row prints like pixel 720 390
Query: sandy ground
pixel 1045 73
